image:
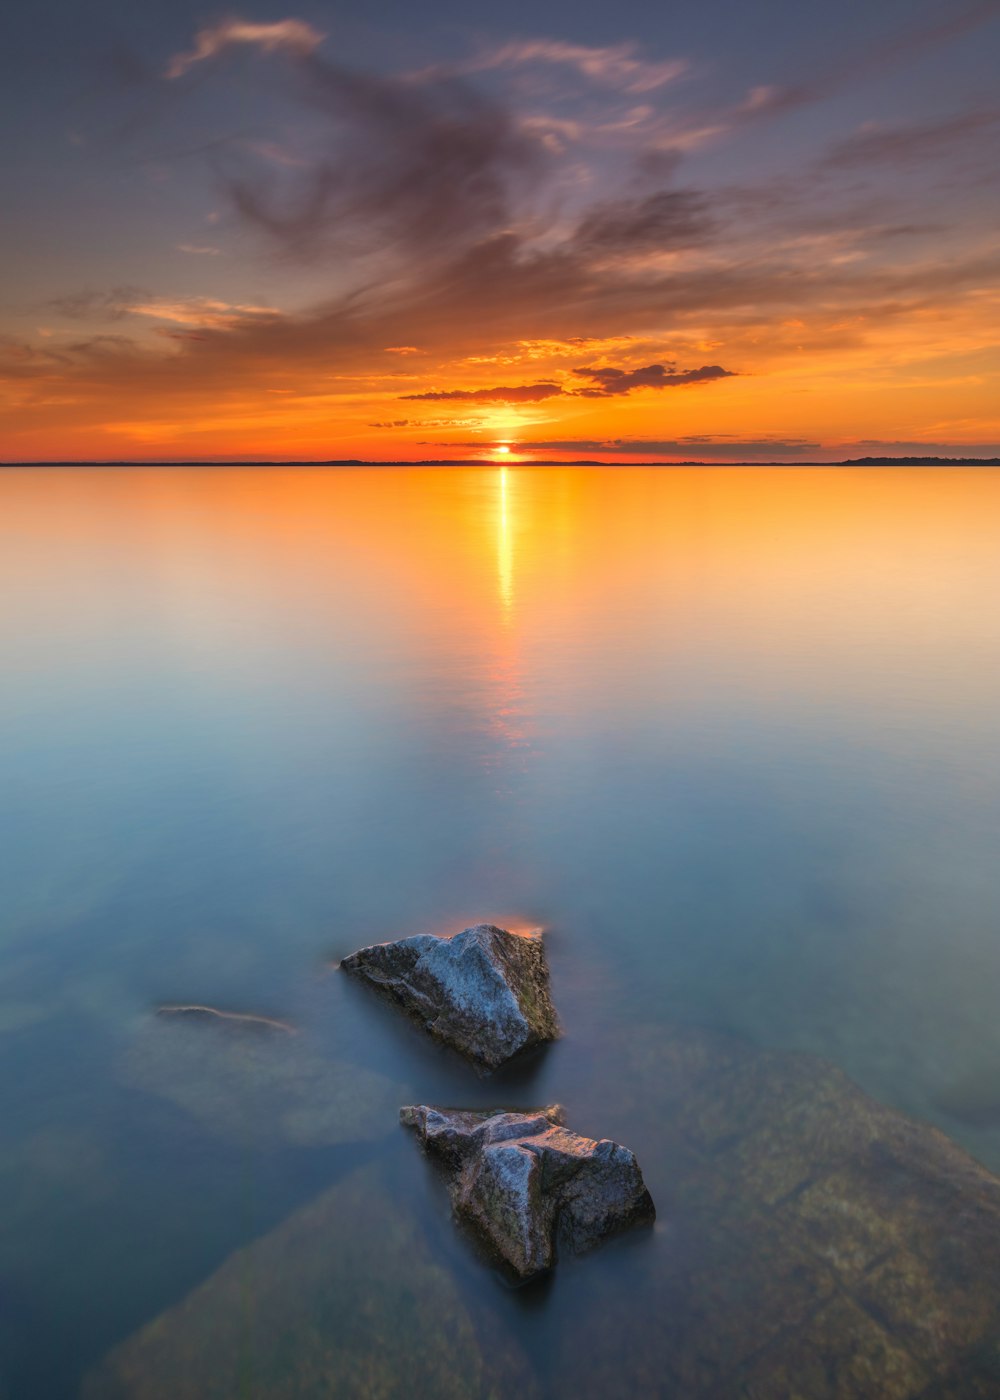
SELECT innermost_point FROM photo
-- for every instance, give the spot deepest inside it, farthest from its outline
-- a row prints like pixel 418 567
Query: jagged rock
pixel 485 992
pixel 526 1185
pixel 256 1082
pixel 345 1298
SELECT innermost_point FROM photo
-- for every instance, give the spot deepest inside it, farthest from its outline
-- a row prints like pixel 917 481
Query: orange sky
pixel 535 247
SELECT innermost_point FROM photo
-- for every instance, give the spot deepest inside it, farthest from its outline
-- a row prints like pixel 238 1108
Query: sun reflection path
pixel 505 675
pixel 505 548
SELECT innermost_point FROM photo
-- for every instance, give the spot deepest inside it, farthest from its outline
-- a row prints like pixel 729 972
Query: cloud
pixel 202 249
pixel 273 151
pixel 692 448
pixel 520 393
pixel 609 381
pixel 914 143
pixel 202 311
pixel 658 223
pixel 875 61
pixel 294 36
pixel 896 447
pixel 615 65
pixel 425 423
pixel 115 305
pixel 408 167
pixel 111 305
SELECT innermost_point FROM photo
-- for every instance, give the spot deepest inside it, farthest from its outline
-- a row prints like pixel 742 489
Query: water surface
pixel 730 735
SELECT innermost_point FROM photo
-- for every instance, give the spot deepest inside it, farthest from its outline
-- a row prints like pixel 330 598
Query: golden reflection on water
pixel 518 589
pixel 506 694
pixel 505 546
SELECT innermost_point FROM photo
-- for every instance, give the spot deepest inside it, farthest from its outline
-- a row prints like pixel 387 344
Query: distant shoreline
pixel 491 462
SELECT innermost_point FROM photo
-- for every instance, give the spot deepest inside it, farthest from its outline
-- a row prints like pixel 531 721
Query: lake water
pixel 730 735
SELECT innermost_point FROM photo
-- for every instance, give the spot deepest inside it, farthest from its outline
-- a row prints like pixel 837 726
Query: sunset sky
pixel 751 231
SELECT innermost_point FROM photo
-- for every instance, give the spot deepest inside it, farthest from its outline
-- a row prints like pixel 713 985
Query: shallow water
pixel 730 735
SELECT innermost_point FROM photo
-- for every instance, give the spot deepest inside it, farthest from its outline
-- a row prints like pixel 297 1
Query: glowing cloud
pixel 615 65
pixel 609 381
pixel 519 393
pixel 295 36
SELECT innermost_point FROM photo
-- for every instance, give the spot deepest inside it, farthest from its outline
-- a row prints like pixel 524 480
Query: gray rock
pixel 485 992
pixel 527 1186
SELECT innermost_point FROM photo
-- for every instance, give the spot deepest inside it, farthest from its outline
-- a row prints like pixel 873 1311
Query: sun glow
pixel 505 552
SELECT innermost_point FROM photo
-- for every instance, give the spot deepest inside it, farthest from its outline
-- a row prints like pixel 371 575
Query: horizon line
pixel 872 461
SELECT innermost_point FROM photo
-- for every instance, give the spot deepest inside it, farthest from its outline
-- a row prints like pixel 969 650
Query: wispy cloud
pixel 609 381
pixel 293 36
pixel 109 305
pixel 656 223
pixel 616 65
pixel 203 311
pixel 913 143
pixel 199 249
pixel 694 448
pixel 115 305
pixel 407 167
pixel 517 393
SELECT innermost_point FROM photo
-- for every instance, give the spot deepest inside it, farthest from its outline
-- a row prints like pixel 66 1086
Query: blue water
pixel 730 736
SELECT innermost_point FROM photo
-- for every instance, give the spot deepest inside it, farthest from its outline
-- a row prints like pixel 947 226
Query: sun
pixel 503 449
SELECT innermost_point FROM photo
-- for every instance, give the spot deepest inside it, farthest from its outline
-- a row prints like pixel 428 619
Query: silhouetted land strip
pixel 527 462
pixel 921 462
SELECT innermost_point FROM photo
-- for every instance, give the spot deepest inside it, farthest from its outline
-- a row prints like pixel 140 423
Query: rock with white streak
pixel 484 992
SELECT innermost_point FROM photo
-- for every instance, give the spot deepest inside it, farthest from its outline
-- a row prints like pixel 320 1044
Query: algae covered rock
pixel 256 1082
pixel 344 1299
pixel 819 1245
pixel 485 992
pixel 526 1185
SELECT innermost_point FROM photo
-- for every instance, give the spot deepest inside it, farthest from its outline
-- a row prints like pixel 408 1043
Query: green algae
pixel 815 1244
pixel 344 1299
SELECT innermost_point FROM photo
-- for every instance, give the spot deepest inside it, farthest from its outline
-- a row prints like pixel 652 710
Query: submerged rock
pixel 526 1185
pixel 345 1298
pixel 255 1083
pixel 485 992
pixel 195 1011
pixel 820 1245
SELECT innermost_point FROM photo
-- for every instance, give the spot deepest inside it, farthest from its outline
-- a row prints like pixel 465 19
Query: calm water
pixel 731 736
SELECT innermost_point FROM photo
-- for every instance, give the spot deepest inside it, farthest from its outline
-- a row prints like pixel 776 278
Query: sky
pixel 549 231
